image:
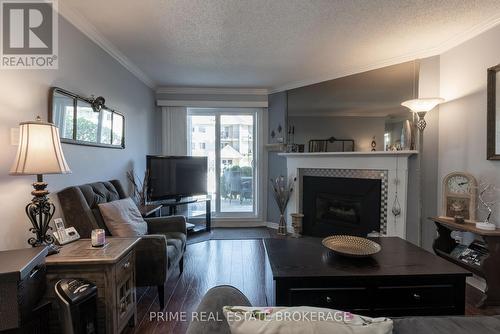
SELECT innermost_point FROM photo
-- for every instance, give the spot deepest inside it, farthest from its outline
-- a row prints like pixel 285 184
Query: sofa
pixel 218 297
pixel 157 253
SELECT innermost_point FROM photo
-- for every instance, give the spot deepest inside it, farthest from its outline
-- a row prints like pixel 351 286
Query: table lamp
pixel 39 153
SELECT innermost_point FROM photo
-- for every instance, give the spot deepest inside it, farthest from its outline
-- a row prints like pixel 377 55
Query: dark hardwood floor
pixel 210 263
pixel 207 264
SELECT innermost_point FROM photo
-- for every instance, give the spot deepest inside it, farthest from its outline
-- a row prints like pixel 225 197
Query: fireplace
pixel 340 205
pixel 389 168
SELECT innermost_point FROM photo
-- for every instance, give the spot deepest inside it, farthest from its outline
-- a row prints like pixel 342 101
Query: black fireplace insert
pixel 338 205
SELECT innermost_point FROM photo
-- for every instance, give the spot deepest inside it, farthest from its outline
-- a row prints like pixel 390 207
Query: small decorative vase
pixel 297 224
pixel 282 225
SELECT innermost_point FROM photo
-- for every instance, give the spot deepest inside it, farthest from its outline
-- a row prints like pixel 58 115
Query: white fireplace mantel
pixel 350 154
pixel 395 163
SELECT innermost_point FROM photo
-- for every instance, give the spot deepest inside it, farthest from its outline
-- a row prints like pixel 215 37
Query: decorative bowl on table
pixel 348 245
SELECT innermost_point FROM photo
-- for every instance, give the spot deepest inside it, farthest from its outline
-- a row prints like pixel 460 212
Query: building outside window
pixel 234 174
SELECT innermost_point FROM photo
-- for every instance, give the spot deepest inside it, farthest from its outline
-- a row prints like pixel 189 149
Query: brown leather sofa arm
pixel 161 225
pixel 151 264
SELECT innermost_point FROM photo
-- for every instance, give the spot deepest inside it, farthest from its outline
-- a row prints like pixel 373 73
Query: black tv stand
pixel 173 204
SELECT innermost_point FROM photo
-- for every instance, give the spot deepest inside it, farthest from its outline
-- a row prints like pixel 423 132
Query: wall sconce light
pixel 97 103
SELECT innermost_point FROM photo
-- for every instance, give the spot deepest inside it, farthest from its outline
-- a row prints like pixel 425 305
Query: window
pixel 228 143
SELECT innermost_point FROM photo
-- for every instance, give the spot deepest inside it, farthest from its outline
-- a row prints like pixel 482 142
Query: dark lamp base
pixel 40 212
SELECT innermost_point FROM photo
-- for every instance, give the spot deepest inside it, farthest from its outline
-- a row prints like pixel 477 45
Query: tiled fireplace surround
pixel 390 167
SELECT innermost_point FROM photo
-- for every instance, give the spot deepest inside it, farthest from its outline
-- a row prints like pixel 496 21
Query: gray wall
pixel 276 165
pixel 277 116
pixel 462 119
pixel 361 129
pixel 429 87
pixel 84 68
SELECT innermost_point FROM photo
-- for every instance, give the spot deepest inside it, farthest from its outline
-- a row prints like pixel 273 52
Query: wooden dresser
pixel 111 268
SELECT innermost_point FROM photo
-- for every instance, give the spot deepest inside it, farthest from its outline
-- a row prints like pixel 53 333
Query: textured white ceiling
pixel 278 43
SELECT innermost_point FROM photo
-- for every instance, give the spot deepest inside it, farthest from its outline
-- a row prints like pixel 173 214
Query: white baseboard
pixel 249 223
pixel 238 223
pixel 272 225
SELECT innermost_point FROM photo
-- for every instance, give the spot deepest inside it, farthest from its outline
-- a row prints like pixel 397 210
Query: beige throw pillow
pixel 301 320
pixel 122 218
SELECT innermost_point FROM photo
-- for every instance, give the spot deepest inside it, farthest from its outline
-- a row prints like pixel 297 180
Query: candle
pixel 98 237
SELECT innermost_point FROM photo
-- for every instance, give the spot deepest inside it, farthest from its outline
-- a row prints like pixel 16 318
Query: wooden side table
pixel 489 268
pixel 111 268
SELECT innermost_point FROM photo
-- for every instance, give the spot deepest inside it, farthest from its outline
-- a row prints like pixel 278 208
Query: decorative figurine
pixel 484 191
pixel 374 144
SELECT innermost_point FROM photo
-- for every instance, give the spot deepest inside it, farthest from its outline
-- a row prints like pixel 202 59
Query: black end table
pixel 155 209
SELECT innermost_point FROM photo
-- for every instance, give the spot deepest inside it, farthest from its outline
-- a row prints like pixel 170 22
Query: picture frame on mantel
pixel 493 136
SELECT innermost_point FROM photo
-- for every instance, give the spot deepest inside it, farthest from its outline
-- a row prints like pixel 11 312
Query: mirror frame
pixel 77 98
pixel 491 115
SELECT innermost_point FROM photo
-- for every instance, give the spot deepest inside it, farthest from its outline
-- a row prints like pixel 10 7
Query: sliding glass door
pixel 226 137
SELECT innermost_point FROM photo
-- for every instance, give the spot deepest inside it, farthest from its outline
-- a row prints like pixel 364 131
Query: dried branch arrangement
pixel 282 190
pixel 140 189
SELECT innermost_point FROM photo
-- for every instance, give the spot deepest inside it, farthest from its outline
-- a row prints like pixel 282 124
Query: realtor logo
pixel 29 34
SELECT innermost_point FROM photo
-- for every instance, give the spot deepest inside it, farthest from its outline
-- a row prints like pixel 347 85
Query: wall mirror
pixel 85 121
pixel 364 107
pixel 493 123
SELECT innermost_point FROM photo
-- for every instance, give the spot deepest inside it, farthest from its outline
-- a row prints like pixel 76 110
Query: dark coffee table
pixel 401 280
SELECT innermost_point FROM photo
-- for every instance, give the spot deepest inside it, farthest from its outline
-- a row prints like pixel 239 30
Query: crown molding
pixel 91 32
pixel 366 114
pixel 425 53
pixel 212 104
pixel 212 90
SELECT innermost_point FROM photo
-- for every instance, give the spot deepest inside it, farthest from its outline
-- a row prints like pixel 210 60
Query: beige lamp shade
pixel 423 104
pixel 39 151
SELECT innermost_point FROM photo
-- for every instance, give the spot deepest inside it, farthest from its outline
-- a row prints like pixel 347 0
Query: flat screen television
pixel 175 177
